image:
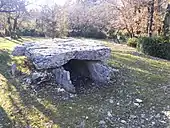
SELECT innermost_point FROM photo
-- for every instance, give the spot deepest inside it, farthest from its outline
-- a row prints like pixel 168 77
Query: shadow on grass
pixel 5 60
pixel 5 122
pixel 16 41
pixel 32 101
pixel 15 98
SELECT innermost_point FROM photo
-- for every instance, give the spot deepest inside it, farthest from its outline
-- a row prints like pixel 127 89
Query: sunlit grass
pixel 19 113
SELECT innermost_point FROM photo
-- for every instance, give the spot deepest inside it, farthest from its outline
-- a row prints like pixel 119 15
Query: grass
pixel 140 77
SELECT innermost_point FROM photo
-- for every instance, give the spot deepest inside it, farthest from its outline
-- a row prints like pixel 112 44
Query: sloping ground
pixel 139 96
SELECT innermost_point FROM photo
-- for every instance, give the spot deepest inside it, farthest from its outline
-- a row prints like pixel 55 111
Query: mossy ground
pixel 140 77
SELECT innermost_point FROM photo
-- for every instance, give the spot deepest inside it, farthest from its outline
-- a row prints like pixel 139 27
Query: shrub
pixel 111 34
pixel 154 46
pixel 31 32
pixel 88 32
pixel 93 32
pixel 132 42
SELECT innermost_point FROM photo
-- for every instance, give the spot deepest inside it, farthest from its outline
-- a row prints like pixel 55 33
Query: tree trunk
pixel 9 29
pixel 15 24
pixel 150 17
pixel 166 22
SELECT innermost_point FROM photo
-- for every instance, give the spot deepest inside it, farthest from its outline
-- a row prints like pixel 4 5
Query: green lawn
pixel 140 77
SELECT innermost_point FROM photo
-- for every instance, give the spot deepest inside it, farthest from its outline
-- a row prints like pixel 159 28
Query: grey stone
pixel 111 101
pixel 38 75
pixel 19 50
pixel 102 122
pixel 28 81
pixel 139 100
pixel 123 121
pixel 63 78
pixel 81 125
pixel 55 53
pixel 99 72
pixel 132 116
pixel 13 69
pixel 41 77
pixel 137 104
pixel 109 114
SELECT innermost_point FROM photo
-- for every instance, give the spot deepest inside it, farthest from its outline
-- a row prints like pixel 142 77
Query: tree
pixel 53 21
pixel 9 6
pixel 150 17
pixel 166 22
pixel 13 9
pixel 139 16
pixel 89 18
pixel 130 16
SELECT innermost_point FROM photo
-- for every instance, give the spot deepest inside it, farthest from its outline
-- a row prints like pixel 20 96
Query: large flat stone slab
pixel 49 54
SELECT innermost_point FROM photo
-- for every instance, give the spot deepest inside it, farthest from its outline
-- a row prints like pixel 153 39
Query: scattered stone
pixel 70 107
pixel 158 115
pixel 90 108
pixel 142 121
pixel 123 121
pixel 37 75
pixel 109 114
pixel 115 70
pixel 137 104
pixel 19 50
pixel 143 115
pixel 60 90
pixel 162 121
pixel 139 100
pixel 41 77
pixel 72 95
pixel 111 101
pixel 153 123
pixel 102 122
pixel 81 125
pixel 118 104
pixel 28 81
pixel 132 116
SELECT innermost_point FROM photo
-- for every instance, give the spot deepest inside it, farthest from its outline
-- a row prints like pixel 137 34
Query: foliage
pixel 86 18
pixel 154 46
pixel 112 34
pixel 12 13
pixel 166 22
pixel 132 42
pixel 31 32
pixel 88 32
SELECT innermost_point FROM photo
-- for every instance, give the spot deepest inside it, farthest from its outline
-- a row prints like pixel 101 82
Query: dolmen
pixel 64 58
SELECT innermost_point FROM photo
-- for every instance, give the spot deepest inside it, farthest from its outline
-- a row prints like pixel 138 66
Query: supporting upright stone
pixel 63 78
pixel 99 72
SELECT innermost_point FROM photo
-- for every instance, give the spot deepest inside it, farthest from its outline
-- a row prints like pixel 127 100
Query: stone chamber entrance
pixel 79 74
